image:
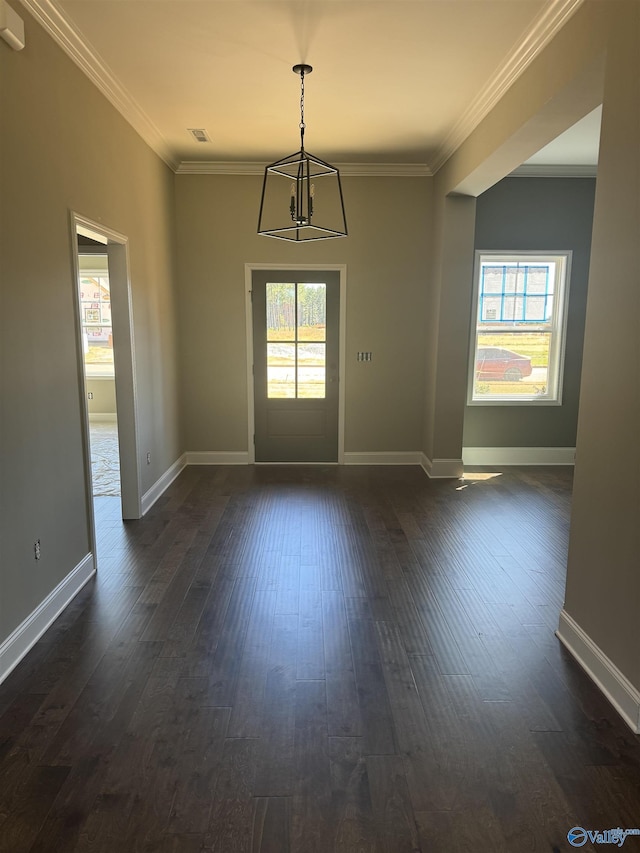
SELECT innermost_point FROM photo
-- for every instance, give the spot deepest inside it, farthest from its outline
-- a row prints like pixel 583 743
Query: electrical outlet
pixel 148 459
pixel 90 395
pixel 36 549
pixel 364 356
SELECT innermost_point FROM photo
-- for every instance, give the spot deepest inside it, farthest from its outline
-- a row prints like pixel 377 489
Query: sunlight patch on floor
pixel 470 478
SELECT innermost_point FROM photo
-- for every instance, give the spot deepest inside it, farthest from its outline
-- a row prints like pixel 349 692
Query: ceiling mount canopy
pixel 292 207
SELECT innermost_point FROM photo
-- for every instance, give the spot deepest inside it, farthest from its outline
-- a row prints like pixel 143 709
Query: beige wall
pixel 603 582
pixel 386 257
pixel 448 331
pixel 104 396
pixel 64 147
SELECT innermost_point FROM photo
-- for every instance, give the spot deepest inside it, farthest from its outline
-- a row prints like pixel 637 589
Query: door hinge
pixel 254 438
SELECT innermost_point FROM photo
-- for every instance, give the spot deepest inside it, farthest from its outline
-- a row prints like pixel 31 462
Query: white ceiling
pixel 399 82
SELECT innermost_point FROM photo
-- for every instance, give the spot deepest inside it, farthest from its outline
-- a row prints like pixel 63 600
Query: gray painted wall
pixel 546 214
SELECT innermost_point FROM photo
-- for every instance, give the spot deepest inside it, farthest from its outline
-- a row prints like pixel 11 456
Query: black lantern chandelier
pixel 291 207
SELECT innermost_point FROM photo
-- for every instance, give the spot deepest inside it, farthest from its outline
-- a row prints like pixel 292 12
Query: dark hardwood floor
pixel 317 659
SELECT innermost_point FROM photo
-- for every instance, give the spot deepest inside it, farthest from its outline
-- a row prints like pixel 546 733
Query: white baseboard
pixel 293 464
pixel 217 457
pixel 152 495
pixel 389 458
pixel 27 634
pixel 624 697
pixel 518 455
pixel 103 417
pixel 442 468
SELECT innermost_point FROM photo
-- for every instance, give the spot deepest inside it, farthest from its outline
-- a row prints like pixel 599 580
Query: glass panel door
pixel 296 333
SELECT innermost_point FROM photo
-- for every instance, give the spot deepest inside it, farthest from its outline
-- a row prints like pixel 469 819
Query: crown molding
pixel 385 170
pixel 376 170
pixel 220 167
pixel 549 171
pixel 548 23
pixel 71 40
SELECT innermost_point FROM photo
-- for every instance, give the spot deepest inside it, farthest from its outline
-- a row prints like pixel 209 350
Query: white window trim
pixel 561 308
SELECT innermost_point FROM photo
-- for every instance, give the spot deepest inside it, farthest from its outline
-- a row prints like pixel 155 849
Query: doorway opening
pixel 106 372
pixel 99 370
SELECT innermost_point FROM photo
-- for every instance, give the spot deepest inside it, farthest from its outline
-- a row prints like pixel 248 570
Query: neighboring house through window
pixel 518 337
pixel 97 337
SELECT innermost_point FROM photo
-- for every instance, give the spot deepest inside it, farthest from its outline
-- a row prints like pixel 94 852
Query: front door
pixel 296 319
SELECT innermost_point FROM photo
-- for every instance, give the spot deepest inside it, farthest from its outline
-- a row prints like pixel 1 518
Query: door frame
pixel 249 269
pixel 117 250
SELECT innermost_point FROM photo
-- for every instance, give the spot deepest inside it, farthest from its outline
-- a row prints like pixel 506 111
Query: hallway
pixel 314 660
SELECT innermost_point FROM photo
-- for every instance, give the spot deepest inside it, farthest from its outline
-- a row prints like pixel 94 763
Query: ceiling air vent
pixel 199 134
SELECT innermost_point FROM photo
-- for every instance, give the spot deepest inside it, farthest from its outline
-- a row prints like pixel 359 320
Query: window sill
pixel 526 402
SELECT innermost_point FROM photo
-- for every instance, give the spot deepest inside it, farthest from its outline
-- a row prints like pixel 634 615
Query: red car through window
pixel 498 363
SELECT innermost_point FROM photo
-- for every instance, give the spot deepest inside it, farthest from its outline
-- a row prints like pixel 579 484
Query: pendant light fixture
pixel 302 194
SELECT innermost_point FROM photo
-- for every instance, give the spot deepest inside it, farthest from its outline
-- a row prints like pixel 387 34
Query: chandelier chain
pixel 302 124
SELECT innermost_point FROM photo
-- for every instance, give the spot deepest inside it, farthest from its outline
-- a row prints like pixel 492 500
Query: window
pixel 517 346
pixel 95 308
pixel 296 339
